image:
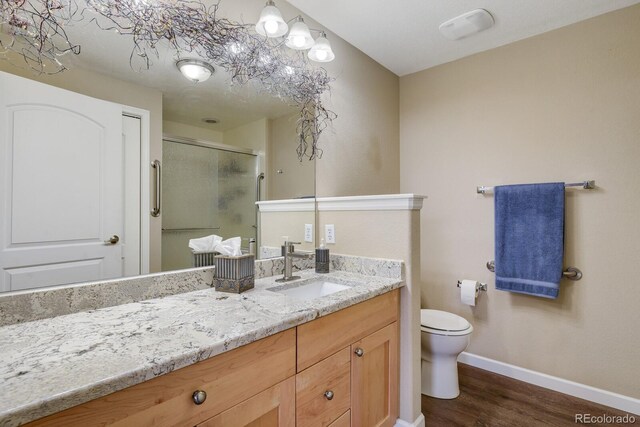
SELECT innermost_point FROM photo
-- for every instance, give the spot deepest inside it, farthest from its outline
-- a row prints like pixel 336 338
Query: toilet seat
pixel 443 323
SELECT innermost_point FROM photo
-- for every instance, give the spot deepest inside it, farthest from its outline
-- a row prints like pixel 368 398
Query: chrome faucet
pixel 289 254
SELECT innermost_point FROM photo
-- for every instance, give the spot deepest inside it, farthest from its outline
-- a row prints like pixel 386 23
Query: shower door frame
pixel 260 163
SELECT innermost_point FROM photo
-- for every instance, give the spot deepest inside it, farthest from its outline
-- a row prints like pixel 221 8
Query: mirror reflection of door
pixel 70 166
pixel 205 190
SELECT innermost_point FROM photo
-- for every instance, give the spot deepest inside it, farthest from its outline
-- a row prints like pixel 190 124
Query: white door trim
pixel 145 161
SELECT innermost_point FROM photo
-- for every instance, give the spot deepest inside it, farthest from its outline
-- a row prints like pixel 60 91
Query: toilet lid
pixel 443 321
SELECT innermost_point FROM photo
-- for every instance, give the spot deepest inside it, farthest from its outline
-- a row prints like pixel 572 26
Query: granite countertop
pixel 53 364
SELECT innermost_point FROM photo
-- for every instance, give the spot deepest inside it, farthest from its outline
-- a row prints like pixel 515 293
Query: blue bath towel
pixel 529 226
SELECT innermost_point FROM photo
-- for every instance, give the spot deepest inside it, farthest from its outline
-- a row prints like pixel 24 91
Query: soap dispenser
pixel 322 259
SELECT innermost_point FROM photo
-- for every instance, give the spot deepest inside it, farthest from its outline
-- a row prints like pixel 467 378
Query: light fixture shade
pixel 321 50
pixel 195 70
pixel 271 23
pixel 467 24
pixel 299 37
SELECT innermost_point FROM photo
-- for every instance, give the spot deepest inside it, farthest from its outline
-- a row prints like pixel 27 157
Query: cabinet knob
pixel 199 396
pixel 328 394
pixel 359 352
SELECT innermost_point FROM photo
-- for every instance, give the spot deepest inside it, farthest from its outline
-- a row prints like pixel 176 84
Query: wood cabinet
pixel 323 391
pixel 368 334
pixel 343 421
pixel 374 379
pixel 324 336
pixel 228 379
pixel 274 407
pixel 338 370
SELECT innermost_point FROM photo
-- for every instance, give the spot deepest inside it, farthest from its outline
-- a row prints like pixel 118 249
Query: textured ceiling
pixel 403 35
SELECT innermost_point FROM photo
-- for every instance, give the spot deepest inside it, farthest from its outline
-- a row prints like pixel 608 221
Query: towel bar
pixel 570 273
pixel 587 185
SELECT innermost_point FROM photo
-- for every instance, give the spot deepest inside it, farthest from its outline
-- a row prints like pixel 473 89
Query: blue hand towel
pixel 529 226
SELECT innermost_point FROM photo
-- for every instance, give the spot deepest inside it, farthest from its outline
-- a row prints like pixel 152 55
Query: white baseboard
pixel 582 391
pixel 418 422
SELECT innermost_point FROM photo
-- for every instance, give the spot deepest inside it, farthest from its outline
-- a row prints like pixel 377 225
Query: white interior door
pixel 131 240
pixel 61 186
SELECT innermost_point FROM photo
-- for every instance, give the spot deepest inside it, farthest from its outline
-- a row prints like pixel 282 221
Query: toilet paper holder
pixel 479 286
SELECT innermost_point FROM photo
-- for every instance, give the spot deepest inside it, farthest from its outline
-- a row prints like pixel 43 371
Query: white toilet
pixel 444 336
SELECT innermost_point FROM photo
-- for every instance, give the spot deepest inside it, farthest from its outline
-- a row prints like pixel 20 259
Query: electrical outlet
pixel 308 233
pixel 330 233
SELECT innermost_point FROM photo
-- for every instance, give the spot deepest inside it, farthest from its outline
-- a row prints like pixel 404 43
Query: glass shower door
pixel 205 191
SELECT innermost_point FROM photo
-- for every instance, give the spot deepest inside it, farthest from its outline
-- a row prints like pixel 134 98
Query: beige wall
pixel 298 177
pixel 182 130
pixel 110 89
pixel 361 147
pixel 275 225
pixel 252 135
pixel 564 105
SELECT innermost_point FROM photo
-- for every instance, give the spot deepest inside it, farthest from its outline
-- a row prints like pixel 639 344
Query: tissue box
pixel 234 273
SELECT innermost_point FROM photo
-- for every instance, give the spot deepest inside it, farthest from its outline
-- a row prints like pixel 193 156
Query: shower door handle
pixel 259 178
pixel 155 212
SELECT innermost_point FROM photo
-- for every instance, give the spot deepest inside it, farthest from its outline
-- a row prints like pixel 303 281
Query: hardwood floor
pixel 488 399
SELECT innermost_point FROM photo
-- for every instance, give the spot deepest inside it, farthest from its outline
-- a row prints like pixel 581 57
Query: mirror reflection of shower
pixel 206 189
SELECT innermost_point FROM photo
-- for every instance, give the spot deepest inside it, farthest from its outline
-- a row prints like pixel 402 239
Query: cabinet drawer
pixel 326 335
pixel 314 406
pixel 273 407
pixel 228 379
pixel 343 421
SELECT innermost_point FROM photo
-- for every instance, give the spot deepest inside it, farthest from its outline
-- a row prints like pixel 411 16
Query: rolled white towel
pixel 205 244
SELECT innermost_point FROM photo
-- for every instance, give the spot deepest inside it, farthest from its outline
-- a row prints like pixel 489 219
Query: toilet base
pixel 440 377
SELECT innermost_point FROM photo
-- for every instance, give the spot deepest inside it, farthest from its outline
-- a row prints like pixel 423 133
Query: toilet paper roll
pixel 469 292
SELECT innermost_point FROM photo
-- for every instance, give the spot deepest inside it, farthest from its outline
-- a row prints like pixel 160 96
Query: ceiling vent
pixel 467 24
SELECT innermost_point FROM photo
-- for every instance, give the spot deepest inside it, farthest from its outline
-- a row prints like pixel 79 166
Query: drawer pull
pixel 328 394
pixel 359 352
pixel 199 396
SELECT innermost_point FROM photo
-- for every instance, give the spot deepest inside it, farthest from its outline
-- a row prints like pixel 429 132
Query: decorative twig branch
pixel 35 30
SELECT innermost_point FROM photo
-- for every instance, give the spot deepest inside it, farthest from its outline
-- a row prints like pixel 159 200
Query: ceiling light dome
pixel 299 37
pixel 195 70
pixel 271 23
pixel 321 50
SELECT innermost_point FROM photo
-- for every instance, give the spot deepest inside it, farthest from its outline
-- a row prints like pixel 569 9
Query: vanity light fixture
pixel 299 37
pixel 195 70
pixel 271 23
pixel 321 50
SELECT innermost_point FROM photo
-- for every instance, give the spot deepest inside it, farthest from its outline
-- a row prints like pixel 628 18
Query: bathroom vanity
pixel 211 359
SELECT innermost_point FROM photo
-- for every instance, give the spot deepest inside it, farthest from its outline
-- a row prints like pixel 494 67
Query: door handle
pixel 113 240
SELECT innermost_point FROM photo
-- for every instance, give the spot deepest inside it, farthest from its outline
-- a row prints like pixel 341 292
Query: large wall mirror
pixel 220 147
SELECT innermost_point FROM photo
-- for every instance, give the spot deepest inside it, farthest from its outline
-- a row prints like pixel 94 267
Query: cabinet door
pixel 374 379
pixel 274 407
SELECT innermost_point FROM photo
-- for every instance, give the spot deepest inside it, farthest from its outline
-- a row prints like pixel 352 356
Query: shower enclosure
pixel 206 189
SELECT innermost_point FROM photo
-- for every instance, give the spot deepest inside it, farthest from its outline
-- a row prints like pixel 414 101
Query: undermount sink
pixel 315 289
